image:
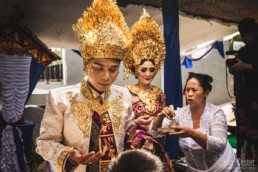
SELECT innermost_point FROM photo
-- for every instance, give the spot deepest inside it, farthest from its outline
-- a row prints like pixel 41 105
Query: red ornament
pixel 101 102
pixel 96 117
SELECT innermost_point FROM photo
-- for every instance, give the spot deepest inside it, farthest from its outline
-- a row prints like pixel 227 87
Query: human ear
pixel 207 92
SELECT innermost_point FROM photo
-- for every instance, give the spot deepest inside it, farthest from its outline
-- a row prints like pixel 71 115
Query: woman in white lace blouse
pixel 202 129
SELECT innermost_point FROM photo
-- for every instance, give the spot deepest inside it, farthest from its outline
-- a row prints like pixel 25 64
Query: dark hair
pixel 247 25
pixel 204 80
pixel 143 61
pixel 118 60
pixel 136 160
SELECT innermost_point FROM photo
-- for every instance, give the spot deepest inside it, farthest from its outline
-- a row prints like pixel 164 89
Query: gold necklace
pixel 83 110
pixel 148 98
pixel 98 104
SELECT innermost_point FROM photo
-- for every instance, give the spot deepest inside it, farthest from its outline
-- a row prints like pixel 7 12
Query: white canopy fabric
pixel 52 22
pixel 201 51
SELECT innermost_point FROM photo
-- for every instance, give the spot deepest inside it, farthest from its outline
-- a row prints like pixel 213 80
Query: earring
pixel 124 73
pixel 136 72
pixel 85 70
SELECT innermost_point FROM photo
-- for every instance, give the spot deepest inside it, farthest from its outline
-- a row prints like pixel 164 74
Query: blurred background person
pixel 136 161
pixel 246 86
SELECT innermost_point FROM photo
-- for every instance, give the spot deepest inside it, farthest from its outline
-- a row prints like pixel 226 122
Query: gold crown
pixel 102 32
pixel 147 42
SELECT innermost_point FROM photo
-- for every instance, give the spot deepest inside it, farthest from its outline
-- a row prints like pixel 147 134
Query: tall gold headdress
pixel 102 32
pixel 147 42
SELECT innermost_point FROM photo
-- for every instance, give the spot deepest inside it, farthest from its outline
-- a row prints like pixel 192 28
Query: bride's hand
pixel 143 120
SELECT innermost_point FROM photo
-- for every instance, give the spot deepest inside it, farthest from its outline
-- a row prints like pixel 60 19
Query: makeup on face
pixel 146 72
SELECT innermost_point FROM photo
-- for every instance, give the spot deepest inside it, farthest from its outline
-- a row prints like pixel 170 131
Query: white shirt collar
pixel 95 93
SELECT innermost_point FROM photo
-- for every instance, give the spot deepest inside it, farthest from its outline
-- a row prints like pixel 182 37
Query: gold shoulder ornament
pixel 148 98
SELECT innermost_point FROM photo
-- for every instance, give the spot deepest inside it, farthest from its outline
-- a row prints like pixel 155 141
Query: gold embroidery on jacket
pixel 116 109
pixel 83 113
pixel 61 158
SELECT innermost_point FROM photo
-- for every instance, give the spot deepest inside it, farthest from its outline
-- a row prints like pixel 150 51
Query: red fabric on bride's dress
pixel 135 138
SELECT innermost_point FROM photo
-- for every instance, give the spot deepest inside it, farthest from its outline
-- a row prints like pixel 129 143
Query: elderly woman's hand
pixel 166 112
pixel 182 131
pixel 87 159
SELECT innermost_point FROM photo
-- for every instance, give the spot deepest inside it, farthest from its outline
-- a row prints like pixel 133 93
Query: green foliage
pixel 34 159
pixel 56 63
pixel 57 52
pixel 235 38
